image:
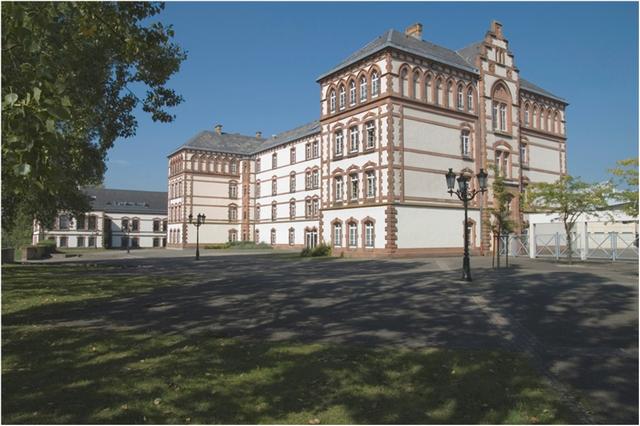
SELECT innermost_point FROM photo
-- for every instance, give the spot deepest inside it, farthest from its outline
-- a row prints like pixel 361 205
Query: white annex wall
pixel 420 227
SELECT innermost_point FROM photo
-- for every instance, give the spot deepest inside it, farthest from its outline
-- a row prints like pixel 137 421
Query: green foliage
pixel 500 213
pixel 21 233
pixel 217 246
pixel 68 70
pixel 240 245
pixel 569 197
pixel 321 250
pixel 626 176
pixel 306 252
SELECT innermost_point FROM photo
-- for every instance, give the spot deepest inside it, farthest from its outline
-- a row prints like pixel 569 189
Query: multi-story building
pixel 118 218
pixel 368 176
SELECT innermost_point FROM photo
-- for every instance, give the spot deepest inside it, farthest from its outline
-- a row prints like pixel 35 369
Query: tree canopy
pixel 626 175
pixel 70 71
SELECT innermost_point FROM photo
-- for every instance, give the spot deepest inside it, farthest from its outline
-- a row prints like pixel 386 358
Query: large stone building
pixel 368 176
pixel 118 218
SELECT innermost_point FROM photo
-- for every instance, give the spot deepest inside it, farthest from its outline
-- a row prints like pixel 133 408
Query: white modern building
pixel 367 177
pixel 118 218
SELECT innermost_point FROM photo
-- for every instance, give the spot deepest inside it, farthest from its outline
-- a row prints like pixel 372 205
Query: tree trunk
pixel 569 246
pixel 498 246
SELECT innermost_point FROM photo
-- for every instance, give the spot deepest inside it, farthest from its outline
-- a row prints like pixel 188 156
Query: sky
pixel 253 67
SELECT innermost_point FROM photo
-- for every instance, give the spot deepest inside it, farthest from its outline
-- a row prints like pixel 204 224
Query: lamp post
pixel 465 195
pixel 199 221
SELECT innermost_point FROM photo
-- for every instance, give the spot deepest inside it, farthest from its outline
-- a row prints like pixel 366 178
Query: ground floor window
pixel 353 235
pixel 368 234
pixel 80 241
pixel 135 242
pixel 92 242
pixel 257 237
pixel 292 236
pixel 156 242
pixel 337 235
pixel 273 237
pixel 124 242
pixel 164 242
pixel 233 236
pixel 63 242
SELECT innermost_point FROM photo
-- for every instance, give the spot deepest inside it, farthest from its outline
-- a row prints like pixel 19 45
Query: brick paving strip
pixel 519 339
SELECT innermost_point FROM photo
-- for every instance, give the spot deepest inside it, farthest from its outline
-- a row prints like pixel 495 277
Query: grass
pixel 82 375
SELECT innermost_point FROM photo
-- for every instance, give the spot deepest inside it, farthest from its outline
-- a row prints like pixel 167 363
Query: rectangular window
pixel 156 225
pixel 371 135
pixel 307 151
pixel 292 210
pixel 523 154
pixel 92 223
pixel 80 222
pixel 92 242
pixel 274 186
pixel 63 222
pixel 274 160
pixel 354 139
pixel 63 242
pixel 368 234
pixel 80 241
pixel 234 167
pixel 371 184
pixel 466 151
pixel 316 149
pixel 307 208
pixel 135 225
pixel 257 212
pixel 292 236
pixel 337 235
pixel 273 237
pixel 292 183
pixel 339 143
pixel 124 224
pixel 274 211
pixel 257 165
pixel 233 190
pixel 315 178
pixel 135 242
pixel 124 242
pixel 156 242
pixel 494 116
pixel 503 117
pixel 257 189
pixel 315 207
pixel 339 188
pixel 292 155
pixel 164 226
pixel 353 235
pixel 354 187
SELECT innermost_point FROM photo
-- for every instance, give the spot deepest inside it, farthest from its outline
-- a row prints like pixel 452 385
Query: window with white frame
pixel 234 167
pixel 352 93
pixel 415 85
pixel 339 188
pixel 523 153
pixel 371 134
pixel 337 234
pixel 437 93
pixel 371 183
pixel 292 236
pixel 353 195
pixel 341 99
pixel 354 139
pixel 332 101
pixel 258 212
pixel 274 160
pixel 80 242
pixel 233 190
pixel 460 98
pixel 315 207
pixel 368 234
pixel 292 155
pixel 292 182
pixel 273 237
pixel 257 189
pixel 274 211
pixel 503 117
pixel 135 224
pixel 63 241
pixel 375 84
pixel 315 179
pixel 353 235
pixel 233 213
pixel 363 89
pixel 502 162
pixel 307 151
pixel 470 99
pixel 526 115
pixel 307 180
pixel 307 208
pixel 274 186
pixel 292 209
pixel 258 165
pixel 494 116
pixel 339 143
pixel 316 149
pixel 63 221
pixel 465 143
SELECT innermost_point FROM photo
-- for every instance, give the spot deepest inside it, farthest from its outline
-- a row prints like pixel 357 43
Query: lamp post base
pixel 466 269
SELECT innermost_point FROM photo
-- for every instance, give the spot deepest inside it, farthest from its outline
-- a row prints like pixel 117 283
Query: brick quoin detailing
pixel 367 177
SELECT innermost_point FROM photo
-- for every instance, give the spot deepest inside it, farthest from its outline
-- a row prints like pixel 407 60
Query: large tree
pixel 626 177
pixel 73 74
pixel 569 197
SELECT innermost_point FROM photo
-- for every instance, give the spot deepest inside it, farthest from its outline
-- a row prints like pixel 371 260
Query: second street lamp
pixel 199 221
pixel 465 196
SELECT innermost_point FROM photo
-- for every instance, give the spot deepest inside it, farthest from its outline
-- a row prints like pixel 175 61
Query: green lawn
pixel 82 375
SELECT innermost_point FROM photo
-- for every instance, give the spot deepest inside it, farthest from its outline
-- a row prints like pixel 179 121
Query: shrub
pixel 247 245
pixel 306 252
pixel 217 246
pixel 321 250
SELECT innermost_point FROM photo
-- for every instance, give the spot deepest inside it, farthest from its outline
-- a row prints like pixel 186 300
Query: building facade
pixel 118 218
pixel 368 176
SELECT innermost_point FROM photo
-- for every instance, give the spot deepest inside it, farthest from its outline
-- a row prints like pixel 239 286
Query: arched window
pixel 415 86
pixel 460 98
pixel 257 189
pixel 534 122
pixel 470 99
pixel 556 123
pixel 353 234
pixel 354 139
pixel 233 213
pixel 256 238
pixel 363 88
pixel 524 158
pixel 339 146
pixel 465 143
pixel 292 209
pixel 337 234
pixel 427 96
pixel 437 93
pixel 503 162
pixel 375 84
pixel 548 121
pixel 352 92
pixel 501 116
pixel 292 236
pixel 273 236
pixel 274 186
pixel 292 182
pixel 274 211
pixel 449 95
pixel 332 101
pixel 342 96
pixel 315 179
pixel 274 160
pixel 368 234
pixel 339 189
pixel 526 115
pixel 233 190
pixel 257 211
pixel 404 82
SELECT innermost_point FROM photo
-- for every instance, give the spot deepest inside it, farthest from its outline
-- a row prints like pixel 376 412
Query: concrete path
pixel 578 323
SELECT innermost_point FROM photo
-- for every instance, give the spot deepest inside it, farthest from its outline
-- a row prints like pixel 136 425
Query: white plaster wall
pixel 359 214
pixel 430 227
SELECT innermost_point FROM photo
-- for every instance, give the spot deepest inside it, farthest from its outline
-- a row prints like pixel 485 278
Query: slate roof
pixel 127 201
pixel 470 52
pixel 409 44
pixel 235 143
pixel 530 87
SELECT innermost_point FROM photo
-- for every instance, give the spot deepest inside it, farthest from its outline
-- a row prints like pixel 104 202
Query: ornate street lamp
pixel 465 196
pixel 199 221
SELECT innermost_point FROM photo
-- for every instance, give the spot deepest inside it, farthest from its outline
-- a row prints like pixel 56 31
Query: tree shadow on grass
pixel 61 375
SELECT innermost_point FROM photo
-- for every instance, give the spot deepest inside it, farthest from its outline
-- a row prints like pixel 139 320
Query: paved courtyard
pixel 579 323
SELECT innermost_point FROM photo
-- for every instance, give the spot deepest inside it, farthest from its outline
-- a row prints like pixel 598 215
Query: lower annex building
pixel 367 177
pixel 118 218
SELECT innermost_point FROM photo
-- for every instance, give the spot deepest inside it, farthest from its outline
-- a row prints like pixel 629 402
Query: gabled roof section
pixel 127 201
pixel 234 143
pixel 470 52
pixel 409 44
pixel 530 87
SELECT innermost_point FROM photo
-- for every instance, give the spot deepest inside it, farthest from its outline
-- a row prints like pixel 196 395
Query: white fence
pixel 592 245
